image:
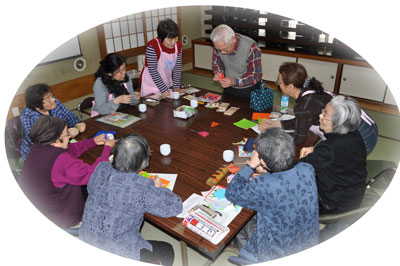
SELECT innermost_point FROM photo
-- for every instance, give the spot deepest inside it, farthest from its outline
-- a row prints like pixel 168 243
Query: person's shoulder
pixel 304 167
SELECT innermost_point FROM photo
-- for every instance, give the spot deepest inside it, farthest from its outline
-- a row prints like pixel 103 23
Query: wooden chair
pixel 85 104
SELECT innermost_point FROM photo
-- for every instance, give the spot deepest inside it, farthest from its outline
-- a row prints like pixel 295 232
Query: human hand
pixel 81 126
pixel 73 132
pixel 218 75
pixel 124 99
pixel 306 151
pixel 227 82
pixel 165 94
pixel 178 90
pixel 157 181
pixel 110 142
pixel 254 162
pixel 267 123
pixel 100 139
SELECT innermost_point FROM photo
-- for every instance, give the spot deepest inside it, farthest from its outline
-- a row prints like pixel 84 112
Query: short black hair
pixel 131 153
pixel 167 28
pixel 34 95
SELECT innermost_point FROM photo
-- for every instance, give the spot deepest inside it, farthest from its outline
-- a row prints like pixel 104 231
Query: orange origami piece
pixel 257 116
pixel 233 168
pixel 214 124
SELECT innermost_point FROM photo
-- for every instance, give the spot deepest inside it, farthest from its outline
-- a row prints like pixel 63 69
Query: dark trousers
pixel 162 252
pixel 241 93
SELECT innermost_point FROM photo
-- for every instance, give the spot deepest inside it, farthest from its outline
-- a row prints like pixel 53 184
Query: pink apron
pixel 165 66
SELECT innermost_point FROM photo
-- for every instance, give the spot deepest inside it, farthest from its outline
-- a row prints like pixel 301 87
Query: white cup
pixel 194 103
pixel 228 156
pixel 165 149
pixel 175 95
pixel 110 136
pixel 142 107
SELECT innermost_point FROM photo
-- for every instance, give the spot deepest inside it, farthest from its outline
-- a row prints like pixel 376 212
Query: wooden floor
pixel 365 104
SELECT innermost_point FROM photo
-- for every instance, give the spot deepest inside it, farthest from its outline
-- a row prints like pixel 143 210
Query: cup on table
pixel 228 155
pixel 194 103
pixel 175 95
pixel 109 136
pixel 142 107
pixel 165 149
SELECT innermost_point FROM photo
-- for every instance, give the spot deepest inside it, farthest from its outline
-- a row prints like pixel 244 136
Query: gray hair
pixel 276 148
pixel 131 153
pixel 346 115
pixel 222 33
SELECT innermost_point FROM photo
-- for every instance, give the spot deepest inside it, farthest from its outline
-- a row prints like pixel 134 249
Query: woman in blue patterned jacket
pixel 284 197
pixel 119 198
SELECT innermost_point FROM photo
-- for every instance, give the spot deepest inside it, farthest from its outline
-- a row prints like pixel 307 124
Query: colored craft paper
pixel 233 168
pixel 257 116
pixel 220 194
pixel 204 133
pixel 214 124
pixel 245 124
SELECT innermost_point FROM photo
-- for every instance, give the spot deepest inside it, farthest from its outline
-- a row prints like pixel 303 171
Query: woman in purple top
pixel 52 173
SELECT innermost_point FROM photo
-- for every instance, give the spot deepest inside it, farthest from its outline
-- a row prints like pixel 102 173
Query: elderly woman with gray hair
pixel 118 199
pixel 340 160
pixel 284 196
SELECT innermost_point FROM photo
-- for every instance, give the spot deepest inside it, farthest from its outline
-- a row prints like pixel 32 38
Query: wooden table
pixel 192 157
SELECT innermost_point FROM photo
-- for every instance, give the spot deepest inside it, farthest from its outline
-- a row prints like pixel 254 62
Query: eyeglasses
pixel 226 49
pixel 323 116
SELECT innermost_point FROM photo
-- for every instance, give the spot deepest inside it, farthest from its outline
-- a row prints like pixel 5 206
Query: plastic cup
pixel 142 107
pixel 165 149
pixel 175 95
pixel 228 156
pixel 194 103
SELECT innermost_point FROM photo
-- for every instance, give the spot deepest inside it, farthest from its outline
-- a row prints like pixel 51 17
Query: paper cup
pixel 194 103
pixel 228 156
pixel 142 107
pixel 175 95
pixel 165 149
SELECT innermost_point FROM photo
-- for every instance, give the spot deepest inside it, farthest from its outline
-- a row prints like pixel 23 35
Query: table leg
pixel 184 254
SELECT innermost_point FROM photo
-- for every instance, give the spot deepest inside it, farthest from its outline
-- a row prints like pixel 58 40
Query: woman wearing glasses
pixel 40 101
pixel 52 174
pixel 340 160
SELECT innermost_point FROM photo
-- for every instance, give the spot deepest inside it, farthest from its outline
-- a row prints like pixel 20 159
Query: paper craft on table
pixel 204 133
pixel 258 116
pixel 242 153
pixel 210 98
pixel 245 124
pixel 233 168
pixel 191 90
pixel 119 119
pixel 167 180
pixel 214 124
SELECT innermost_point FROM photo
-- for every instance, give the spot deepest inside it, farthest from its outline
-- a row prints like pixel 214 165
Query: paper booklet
pixel 119 119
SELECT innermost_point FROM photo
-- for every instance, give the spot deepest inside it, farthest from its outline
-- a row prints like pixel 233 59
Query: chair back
pixel 85 104
pixel 13 137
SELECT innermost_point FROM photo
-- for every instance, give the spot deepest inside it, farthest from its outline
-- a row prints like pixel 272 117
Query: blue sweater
pixel 287 210
pixel 115 208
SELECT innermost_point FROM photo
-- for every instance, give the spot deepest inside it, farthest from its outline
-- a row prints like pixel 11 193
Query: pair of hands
pixel 267 123
pixel 225 82
pixel 101 140
pixel 256 164
pixel 127 99
pixel 79 128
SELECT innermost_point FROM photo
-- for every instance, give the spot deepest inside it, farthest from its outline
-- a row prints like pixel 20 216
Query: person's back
pixel 117 202
pixel 284 197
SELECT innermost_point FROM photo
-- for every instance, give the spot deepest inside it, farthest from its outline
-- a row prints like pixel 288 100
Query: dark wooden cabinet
pixel 276 32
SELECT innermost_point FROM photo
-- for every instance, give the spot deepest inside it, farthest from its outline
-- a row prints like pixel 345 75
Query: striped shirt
pixel 254 68
pixel 153 54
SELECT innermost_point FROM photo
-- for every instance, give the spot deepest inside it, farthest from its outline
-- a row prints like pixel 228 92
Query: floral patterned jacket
pixel 287 210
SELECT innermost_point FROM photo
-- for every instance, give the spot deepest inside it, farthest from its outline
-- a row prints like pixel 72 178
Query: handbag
pixel 262 98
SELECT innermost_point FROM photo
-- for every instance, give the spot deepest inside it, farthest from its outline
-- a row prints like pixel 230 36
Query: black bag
pixel 262 98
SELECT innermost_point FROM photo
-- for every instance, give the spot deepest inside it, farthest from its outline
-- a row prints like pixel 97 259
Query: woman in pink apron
pixel 163 63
